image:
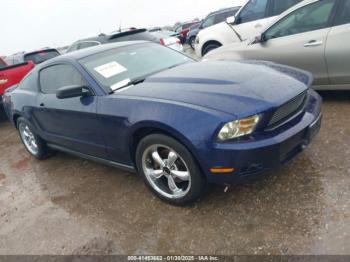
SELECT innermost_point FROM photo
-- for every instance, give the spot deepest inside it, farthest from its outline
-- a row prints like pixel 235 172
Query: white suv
pixel 250 20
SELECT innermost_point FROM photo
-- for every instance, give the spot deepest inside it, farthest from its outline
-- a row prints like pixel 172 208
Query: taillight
pixel 162 42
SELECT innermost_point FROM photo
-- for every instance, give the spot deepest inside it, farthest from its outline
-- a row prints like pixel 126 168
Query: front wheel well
pixel 15 118
pixel 142 133
pixel 211 42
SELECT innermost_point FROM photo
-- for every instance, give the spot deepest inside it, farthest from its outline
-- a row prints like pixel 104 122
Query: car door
pixel 72 122
pixel 299 40
pixel 338 47
pixel 256 15
pixel 252 18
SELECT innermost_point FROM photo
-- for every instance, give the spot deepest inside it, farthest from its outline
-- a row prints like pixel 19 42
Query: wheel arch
pixel 15 117
pixel 209 42
pixel 148 128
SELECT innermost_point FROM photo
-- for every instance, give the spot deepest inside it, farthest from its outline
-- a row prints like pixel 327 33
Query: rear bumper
pixel 251 159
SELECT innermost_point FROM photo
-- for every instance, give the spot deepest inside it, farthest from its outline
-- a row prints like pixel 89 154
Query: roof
pixel 224 10
pixel 76 55
pixel 104 38
pixel 42 50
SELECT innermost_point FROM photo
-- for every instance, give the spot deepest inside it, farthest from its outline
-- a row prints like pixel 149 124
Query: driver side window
pixel 254 10
pixel 308 18
pixel 54 77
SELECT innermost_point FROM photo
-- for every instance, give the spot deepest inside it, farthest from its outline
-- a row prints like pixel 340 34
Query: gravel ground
pixel 66 205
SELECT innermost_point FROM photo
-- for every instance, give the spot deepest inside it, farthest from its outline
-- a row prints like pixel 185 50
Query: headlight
pixel 238 128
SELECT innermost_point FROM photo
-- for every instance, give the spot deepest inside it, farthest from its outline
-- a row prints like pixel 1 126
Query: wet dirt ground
pixel 66 205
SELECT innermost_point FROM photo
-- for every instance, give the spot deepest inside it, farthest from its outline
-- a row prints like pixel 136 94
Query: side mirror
pixel 72 91
pixel 231 20
pixel 259 39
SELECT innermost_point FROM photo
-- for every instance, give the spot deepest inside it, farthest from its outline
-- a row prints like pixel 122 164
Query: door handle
pixel 3 81
pixel 42 105
pixel 313 43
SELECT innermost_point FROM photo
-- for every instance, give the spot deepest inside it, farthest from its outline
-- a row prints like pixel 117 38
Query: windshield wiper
pixel 129 83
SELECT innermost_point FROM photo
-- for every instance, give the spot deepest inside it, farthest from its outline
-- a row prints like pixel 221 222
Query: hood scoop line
pixel 189 80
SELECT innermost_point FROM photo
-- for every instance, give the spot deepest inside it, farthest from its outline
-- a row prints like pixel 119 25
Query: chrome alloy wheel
pixel 28 138
pixel 166 171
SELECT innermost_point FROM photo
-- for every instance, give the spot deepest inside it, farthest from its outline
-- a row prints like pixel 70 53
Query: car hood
pixel 237 88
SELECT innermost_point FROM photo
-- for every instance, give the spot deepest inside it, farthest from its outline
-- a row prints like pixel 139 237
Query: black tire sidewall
pixel 209 48
pixel 198 181
pixel 43 151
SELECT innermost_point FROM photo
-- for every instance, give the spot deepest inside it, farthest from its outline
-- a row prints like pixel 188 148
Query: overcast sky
pixel 27 25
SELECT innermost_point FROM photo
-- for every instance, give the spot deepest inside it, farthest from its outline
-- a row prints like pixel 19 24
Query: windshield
pixel 41 56
pixel 116 68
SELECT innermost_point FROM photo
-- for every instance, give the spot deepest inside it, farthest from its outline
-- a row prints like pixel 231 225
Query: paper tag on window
pixel 110 69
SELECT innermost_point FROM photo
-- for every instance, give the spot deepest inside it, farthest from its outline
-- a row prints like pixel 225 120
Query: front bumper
pixel 198 50
pixel 250 159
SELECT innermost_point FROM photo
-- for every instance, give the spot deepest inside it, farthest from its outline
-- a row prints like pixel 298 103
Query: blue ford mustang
pixel 179 123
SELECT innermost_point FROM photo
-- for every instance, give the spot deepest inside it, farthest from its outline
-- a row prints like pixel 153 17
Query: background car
pixel 168 40
pixel 250 20
pixel 37 57
pixel 313 36
pixel 212 19
pixel 183 29
pixel 132 34
pixel 162 117
pixel 10 76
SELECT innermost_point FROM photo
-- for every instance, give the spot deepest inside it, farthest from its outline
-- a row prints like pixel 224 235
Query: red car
pixel 20 66
pixel 183 29
pixel 12 75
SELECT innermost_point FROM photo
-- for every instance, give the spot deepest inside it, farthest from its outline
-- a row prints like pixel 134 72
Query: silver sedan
pixel 313 35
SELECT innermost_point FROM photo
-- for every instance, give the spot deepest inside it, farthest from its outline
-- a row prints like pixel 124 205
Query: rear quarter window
pixel 343 15
pixel 29 82
pixel 280 6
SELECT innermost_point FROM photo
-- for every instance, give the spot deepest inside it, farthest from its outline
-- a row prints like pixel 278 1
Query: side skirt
pixel 93 158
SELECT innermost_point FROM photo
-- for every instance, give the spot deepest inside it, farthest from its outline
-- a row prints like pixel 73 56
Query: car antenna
pixel 120 26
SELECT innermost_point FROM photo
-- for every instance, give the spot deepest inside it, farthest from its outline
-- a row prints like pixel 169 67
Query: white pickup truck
pixel 249 21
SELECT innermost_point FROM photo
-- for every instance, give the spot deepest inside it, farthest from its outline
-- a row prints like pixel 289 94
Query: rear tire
pixel 32 142
pixel 169 170
pixel 210 47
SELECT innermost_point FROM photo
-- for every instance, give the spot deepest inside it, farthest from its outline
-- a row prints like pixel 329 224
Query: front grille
pixel 288 110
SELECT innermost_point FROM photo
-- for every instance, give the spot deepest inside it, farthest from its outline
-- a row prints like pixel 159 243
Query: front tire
pixel 210 47
pixel 169 170
pixel 32 142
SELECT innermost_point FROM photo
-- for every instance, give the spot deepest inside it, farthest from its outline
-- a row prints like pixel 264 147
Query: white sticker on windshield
pixel 110 69
pixel 120 84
